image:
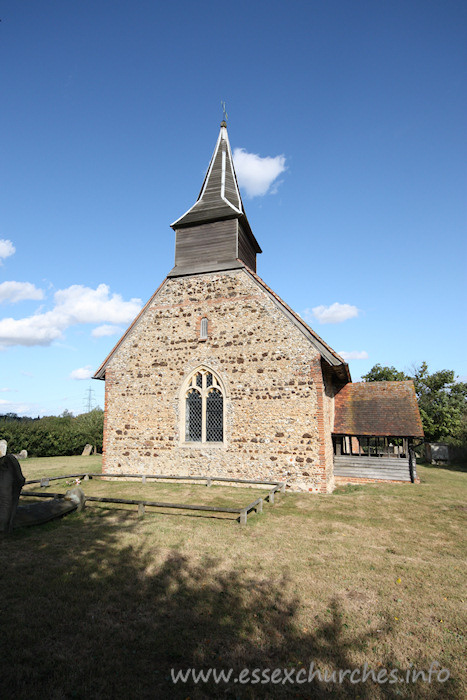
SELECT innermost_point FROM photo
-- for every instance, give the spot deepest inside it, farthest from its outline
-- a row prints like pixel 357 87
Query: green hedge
pixel 53 436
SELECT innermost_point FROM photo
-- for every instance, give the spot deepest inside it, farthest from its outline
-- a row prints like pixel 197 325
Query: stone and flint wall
pixel 278 408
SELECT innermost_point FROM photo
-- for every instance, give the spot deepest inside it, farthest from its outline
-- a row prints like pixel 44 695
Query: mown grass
pixel 188 493
pixel 103 604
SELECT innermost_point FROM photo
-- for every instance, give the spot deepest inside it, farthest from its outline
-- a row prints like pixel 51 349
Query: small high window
pixel 204 408
pixel 203 330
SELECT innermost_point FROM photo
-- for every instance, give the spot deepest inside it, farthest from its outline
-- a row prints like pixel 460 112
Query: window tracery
pixel 204 408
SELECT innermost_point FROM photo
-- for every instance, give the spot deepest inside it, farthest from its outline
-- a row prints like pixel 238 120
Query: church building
pixel 218 376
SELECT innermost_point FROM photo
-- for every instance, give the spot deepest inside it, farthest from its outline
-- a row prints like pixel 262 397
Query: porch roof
pixel 378 409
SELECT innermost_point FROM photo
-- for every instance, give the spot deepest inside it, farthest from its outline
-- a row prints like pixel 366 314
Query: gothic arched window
pixel 204 408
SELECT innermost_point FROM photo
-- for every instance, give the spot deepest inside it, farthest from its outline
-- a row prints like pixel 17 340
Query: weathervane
pixel 226 116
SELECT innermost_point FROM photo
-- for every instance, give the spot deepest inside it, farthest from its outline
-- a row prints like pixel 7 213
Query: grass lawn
pixel 165 492
pixel 102 604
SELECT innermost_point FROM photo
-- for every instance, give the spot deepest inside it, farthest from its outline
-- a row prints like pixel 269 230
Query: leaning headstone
pixel 23 454
pixel 3 446
pixel 42 512
pixel 87 451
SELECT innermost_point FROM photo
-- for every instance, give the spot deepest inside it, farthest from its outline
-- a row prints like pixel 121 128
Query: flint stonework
pixel 274 388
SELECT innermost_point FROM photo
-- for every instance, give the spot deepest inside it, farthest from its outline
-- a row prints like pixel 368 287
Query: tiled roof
pixel 377 408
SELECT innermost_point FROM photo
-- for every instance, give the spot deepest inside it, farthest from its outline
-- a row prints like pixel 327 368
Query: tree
pixel 92 424
pixel 443 403
pixel 384 374
pixel 442 400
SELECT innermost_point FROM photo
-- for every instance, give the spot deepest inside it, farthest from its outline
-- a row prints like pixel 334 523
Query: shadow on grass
pixel 84 615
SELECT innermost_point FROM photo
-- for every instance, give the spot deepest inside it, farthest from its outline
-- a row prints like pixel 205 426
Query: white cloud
pixel 19 291
pixel 40 329
pixel 255 174
pixel 5 389
pixel 74 305
pixel 85 305
pixel 335 313
pixel 105 330
pixel 19 408
pixel 353 355
pixel 6 249
pixel 82 373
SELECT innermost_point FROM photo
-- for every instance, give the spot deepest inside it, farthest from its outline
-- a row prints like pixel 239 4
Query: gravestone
pixel 11 483
pixel 76 496
pixel 46 510
pixel 3 446
pixel 87 450
pixel 437 453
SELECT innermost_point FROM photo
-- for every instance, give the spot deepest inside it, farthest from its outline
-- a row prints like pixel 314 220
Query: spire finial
pixel 226 116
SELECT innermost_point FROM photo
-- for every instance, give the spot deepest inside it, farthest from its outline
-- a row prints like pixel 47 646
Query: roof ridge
pixel 386 381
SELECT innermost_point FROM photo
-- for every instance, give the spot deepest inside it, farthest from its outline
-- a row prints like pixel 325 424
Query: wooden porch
pixel 375 424
pixel 365 457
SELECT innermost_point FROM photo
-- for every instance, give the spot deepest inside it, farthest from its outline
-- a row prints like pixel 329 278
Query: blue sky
pixel 109 115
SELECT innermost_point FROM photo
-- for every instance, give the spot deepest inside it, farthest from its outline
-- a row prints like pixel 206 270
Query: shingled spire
pixel 215 234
